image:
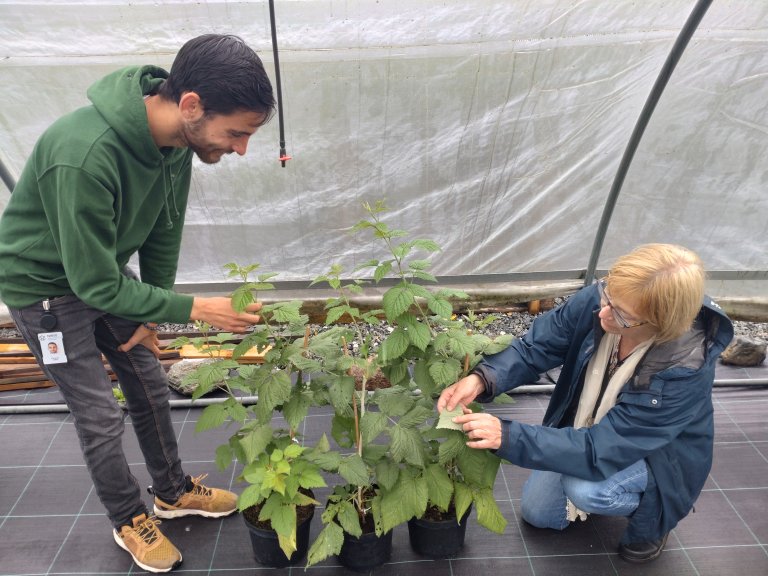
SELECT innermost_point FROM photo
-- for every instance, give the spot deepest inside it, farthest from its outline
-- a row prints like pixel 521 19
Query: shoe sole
pixel 122 545
pixel 171 514
pixel 635 560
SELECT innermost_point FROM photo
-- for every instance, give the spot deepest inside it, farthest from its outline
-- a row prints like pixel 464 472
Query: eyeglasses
pixel 621 320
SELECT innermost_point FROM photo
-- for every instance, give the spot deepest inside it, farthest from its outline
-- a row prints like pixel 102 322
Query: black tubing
pixel 650 104
pixel 7 177
pixel 283 154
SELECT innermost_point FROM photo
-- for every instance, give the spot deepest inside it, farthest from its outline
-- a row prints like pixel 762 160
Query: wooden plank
pixel 252 356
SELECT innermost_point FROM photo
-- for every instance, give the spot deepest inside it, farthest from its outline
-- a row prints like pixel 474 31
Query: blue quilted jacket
pixel 663 413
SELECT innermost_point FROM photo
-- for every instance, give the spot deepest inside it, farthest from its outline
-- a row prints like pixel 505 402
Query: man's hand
pixel 218 312
pixel 483 430
pixel 462 392
pixel 145 337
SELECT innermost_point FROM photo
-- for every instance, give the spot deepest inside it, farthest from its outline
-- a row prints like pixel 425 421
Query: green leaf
pixel 382 270
pixel 311 478
pixel 349 520
pixel 446 419
pixel 254 441
pixel 397 300
pixel 371 425
pixel 488 513
pixel 408 499
pixel 416 416
pixel 393 403
pixel 327 543
pixel 249 497
pixel 440 307
pixel 445 372
pixel 439 486
pixel 274 388
pixel 213 416
pixel 419 264
pixel 223 456
pixel 462 498
pixel 407 445
pixel 451 447
pixel 424 276
pixel 241 297
pixel 419 335
pixel 426 245
pixel 354 471
pixel 335 313
pixel 297 408
pixel 395 345
pixel 387 473
pixel 499 343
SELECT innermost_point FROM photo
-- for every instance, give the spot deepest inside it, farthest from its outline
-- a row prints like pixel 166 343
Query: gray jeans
pixel 88 333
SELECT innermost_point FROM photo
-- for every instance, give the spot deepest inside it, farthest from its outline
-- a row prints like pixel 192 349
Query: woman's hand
pixel 462 393
pixel 483 430
pixel 145 337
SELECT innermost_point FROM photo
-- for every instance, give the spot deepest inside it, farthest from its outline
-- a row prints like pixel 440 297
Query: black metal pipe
pixel 650 104
pixel 7 177
pixel 283 155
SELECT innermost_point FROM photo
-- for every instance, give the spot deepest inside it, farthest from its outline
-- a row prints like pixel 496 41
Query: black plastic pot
pixel 368 551
pixel 438 538
pixel 266 546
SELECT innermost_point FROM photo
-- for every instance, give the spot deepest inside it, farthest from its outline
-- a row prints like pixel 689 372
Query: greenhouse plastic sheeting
pixel 494 128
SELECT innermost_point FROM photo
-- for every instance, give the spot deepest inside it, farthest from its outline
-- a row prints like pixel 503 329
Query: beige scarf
pixel 593 382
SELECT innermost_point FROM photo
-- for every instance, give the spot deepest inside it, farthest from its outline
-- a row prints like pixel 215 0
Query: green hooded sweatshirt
pixel 95 191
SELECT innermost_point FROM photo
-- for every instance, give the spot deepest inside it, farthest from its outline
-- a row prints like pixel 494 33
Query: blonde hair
pixel 666 284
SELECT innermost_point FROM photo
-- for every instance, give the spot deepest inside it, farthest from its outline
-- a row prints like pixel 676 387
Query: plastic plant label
pixel 447 416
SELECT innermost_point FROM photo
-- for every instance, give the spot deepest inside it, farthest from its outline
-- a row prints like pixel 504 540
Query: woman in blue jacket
pixel 629 428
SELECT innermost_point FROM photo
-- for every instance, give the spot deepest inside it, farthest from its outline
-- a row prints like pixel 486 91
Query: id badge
pixel 52 346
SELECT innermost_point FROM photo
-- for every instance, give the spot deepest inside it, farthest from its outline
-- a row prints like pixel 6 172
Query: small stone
pixel 743 351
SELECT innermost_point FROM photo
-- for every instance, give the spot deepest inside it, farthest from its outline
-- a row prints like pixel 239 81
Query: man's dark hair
pixel 225 72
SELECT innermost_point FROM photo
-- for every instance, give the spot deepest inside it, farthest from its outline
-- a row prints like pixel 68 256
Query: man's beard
pixel 193 135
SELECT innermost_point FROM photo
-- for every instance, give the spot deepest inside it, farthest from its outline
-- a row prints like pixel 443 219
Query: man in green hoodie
pixel 103 183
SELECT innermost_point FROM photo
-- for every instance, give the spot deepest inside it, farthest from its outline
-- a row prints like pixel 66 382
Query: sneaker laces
pixel 198 489
pixel 148 531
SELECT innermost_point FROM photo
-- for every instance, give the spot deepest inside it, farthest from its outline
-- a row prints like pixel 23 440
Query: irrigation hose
pixel 283 154
pixel 645 115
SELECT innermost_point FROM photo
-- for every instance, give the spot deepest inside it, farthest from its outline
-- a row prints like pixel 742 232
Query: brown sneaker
pixel 150 549
pixel 199 501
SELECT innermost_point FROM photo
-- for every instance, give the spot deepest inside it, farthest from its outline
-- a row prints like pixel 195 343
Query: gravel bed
pixel 515 323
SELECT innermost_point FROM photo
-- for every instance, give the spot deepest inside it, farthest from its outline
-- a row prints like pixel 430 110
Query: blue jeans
pixel 88 333
pixel 545 493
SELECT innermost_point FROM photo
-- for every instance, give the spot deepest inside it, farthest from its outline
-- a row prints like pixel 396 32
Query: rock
pixel 177 375
pixel 743 351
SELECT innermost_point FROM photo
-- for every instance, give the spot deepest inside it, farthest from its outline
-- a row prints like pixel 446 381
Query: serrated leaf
pixel 446 419
pixel 387 473
pixel 440 307
pixel 213 416
pixel 407 446
pixel 419 335
pixel 488 513
pixel 397 300
pixel 421 275
pixel 274 388
pixel 251 496
pixel 335 313
pixel 311 478
pixel 408 499
pixel 416 416
pixel 353 470
pixel 371 425
pixel 297 408
pixel 439 486
pixel 349 520
pixel 462 498
pixel 254 441
pixel 426 245
pixel 395 345
pixel 382 270
pixel 451 447
pixel 445 371
pixel 394 403
pixel 327 543
pixel 223 457
pixel 499 343
pixel 241 298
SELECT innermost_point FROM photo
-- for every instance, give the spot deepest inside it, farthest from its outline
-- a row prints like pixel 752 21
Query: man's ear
pixel 191 106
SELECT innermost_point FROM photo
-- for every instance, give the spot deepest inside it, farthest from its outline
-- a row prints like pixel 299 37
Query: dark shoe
pixel 640 552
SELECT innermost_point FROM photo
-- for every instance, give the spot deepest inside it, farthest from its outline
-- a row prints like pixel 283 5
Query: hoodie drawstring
pixel 168 177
